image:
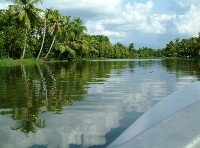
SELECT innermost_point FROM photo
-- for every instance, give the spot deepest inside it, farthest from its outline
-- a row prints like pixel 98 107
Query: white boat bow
pixel 174 122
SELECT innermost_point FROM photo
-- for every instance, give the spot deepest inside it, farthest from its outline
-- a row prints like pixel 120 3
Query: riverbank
pixel 18 62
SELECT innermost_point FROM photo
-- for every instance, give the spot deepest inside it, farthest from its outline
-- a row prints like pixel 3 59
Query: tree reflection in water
pixel 30 91
pixel 29 121
pixel 42 98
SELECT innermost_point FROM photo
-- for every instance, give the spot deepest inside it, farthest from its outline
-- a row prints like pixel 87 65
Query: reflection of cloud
pixel 140 90
pixel 184 80
pixel 85 123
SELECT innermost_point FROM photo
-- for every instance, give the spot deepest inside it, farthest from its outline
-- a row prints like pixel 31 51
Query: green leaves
pixel 27 14
pixel 25 27
pixel 182 48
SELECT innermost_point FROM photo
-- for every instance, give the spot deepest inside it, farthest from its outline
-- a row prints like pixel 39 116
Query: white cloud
pixel 142 19
pixel 159 23
pixel 186 3
pixel 132 17
pixel 96 27
pixel 140 7
pixel 189 23
pixel 96 6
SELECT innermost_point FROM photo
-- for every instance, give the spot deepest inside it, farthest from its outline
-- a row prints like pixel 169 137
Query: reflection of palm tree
pixel 50 73
pixel 65 85
pixel 56 100
pixel 56 104
pixel 28 122
pixel 29 100
pixel 53 103
pixel 43 81
pixel 27 116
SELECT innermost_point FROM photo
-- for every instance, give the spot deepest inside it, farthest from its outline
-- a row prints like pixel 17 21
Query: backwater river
pixel 83 103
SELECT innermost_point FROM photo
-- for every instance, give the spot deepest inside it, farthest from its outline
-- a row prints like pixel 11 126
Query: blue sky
pixel 151 23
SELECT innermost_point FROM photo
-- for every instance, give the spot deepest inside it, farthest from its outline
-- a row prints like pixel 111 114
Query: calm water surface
pixel 85 103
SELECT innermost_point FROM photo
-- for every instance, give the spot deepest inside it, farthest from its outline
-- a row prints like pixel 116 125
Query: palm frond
pixel 71 51
pixel 22 15
pixel 27 22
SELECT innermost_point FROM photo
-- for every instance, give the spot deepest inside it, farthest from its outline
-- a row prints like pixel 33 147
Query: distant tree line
pixel 183 48
pixel 28 32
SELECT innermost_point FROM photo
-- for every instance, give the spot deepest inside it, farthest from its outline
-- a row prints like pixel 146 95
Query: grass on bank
pixel 18 62
pixel 32 61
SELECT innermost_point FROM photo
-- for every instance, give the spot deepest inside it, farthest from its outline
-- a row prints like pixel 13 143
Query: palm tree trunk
pixel 24 50
pixel 25 44
pixel 44 34
pixel 54 38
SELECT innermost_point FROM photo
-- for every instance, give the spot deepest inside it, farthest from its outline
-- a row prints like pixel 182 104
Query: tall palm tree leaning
pixel 46 16
pixel 56 20
pixel 28 14
pixel 44 34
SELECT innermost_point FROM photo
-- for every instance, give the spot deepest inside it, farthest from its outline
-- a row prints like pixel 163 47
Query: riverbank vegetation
pixel 27 32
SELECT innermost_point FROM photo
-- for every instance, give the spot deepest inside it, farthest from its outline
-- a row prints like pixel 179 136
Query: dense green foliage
pixel 28 32
pixel 183 48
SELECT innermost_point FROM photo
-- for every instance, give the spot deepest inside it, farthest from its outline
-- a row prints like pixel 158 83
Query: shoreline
pixel 18 62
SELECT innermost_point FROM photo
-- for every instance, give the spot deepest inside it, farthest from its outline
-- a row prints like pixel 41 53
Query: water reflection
pixel 182 67
pixel 83 104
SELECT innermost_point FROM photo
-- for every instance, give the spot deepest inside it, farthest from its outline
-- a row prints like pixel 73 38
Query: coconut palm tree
pixel 46 17
pixel 55 29
pixel 44 34
pixel 28 15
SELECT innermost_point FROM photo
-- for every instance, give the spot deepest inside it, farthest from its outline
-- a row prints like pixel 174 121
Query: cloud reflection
pixel 86 123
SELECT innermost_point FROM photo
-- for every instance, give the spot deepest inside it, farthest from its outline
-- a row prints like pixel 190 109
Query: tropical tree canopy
pixel 28 32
